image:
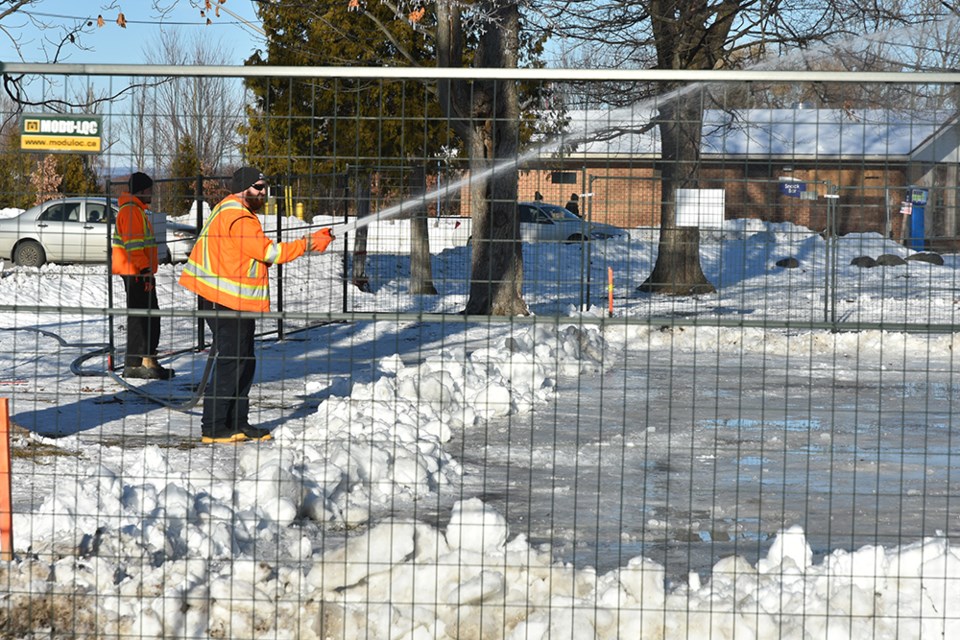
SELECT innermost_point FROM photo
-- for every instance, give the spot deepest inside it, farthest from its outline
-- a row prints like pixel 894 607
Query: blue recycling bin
pixel 917 197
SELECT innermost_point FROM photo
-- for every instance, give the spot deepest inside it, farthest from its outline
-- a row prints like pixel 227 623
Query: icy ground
pixel 581 477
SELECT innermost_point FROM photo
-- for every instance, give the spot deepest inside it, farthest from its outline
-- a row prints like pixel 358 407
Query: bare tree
pixel 361 235
pixel 206 110
pixel 134 127
pixel 421 268
pixel 703 35
pixel 55 38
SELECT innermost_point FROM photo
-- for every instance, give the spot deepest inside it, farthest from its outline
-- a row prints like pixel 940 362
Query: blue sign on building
pixel 792 188
pixel 917 197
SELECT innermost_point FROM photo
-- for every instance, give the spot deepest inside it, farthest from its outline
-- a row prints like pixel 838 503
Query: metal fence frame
pixel 527 75
pixel 830 318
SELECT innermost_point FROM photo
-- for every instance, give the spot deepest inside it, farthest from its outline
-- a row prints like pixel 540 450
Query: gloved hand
pixel 320 240
pixel 147 278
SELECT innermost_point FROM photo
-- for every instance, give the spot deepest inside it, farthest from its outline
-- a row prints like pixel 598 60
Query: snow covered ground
pixel 727 469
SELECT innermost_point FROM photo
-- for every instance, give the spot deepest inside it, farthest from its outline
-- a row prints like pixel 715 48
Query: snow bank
pixel 149 548
pixel 384 442
pixel 157 552
pixel 405 579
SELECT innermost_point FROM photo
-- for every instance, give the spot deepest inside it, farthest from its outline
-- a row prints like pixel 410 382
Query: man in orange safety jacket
pixel 134 259
pixel 228 270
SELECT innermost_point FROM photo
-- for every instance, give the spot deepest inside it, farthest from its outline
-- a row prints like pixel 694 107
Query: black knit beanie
pixel 244 178
pixel 140 182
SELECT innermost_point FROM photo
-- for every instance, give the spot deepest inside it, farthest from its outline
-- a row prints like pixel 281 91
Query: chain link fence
pixel 771 454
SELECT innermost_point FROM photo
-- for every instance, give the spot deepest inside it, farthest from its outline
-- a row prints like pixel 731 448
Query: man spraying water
pixel 228 270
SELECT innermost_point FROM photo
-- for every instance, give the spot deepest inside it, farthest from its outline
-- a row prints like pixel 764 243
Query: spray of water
pixel 509 164
pixel 419 201
pixel 892 46
pixel 590 132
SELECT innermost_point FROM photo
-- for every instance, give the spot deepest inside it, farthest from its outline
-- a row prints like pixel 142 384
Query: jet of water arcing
pixel 598 128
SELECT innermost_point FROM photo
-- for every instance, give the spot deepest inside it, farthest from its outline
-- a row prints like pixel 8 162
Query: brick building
pixel 866 158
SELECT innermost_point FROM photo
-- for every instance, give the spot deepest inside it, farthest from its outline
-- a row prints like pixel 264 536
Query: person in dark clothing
pixel 573 205
pixel 134 259
pixel 226 404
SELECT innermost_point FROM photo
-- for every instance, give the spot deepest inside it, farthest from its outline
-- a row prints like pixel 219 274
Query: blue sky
pixel 112 44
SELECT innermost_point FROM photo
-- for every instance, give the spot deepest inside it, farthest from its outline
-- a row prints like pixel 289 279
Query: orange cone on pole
pixel 610 290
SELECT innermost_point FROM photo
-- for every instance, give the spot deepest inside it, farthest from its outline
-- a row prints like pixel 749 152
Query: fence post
pixel 610 291
pixel 201 340
pixel 343 191
pixel 110 318
pixel 830 299
pixel 6 501
pixel 287 209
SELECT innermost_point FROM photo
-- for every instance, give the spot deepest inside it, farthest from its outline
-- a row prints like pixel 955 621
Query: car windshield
pixel 557 213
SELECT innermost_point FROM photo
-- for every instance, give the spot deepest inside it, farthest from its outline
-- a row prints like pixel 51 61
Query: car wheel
pixel 29 253
pixel 575 238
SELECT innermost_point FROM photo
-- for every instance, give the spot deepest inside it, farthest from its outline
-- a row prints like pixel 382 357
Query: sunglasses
pixel 259 187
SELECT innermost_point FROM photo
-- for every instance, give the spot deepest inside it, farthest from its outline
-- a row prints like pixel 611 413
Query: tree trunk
pixel 360 279
pixel 677 270
pixel 421 269
pixel 486 115
pixel 496 278
pixel 496 274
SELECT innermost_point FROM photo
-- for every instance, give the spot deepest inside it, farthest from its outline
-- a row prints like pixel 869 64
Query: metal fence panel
pixel 772 459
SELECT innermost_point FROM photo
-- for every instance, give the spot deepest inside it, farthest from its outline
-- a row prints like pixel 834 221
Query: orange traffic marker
pixel 6 502
pixel 610 290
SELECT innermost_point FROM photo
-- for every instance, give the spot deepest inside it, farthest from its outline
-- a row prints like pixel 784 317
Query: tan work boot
pixel 154 369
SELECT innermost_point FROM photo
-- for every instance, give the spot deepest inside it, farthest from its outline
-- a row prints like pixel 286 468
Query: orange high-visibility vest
pixel 134 247
pixel 228 264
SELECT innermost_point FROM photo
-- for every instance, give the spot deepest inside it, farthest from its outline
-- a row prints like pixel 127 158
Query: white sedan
pixel 75 230
pixel 540 222
pixel 180 238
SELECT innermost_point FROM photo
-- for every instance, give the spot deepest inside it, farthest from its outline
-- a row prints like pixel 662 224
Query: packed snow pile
pixel 355 521
pixel 384 442
pixel 210 571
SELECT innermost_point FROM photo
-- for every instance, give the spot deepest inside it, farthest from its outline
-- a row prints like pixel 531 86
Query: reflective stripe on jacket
pixel 229 262
pixel 134 245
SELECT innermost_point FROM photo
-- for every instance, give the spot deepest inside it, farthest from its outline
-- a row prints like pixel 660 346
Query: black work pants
pixel 143 332
pixel 226 402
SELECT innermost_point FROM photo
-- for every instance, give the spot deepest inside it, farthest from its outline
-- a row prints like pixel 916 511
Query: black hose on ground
pixel 104 349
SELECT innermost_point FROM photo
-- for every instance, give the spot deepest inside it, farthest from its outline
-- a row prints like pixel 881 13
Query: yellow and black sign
pixel 60 133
